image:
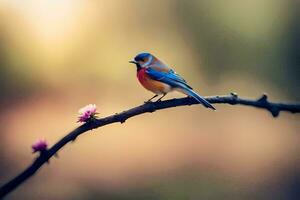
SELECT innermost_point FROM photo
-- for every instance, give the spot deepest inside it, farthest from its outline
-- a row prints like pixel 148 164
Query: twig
pixel 232 99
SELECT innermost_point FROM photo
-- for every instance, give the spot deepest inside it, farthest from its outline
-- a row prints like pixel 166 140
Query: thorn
pixel 274 111
pixel 233 94
pixel 234 98
pixel 263 98
pixel 74 139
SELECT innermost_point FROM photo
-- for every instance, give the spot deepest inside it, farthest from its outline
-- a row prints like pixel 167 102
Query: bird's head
pixel 143 60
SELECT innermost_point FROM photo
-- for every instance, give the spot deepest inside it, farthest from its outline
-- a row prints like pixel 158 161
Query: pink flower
pixel 86 113
pixel 40 145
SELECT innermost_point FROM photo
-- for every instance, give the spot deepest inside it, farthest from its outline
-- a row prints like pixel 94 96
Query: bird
pixel 161 79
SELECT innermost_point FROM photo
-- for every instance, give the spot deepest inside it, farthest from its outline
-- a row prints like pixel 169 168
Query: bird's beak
pixel 132 61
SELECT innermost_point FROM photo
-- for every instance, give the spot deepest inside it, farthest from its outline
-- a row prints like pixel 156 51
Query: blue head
pixel 142 60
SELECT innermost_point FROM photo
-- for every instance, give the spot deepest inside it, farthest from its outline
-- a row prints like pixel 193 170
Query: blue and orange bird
pixel 160 79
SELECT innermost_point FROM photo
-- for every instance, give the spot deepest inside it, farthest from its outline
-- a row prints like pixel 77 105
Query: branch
pixel 232 99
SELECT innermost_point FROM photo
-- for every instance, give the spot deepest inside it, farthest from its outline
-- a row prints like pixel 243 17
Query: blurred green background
pixel 59 55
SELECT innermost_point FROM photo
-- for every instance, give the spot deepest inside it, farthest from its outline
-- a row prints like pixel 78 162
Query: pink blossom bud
pixel 40 145
pixel 86 113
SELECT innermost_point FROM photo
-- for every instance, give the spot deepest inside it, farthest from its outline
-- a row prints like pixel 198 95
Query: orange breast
pixel 154 86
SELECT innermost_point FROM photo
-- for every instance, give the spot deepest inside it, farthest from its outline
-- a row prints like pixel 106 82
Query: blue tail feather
pixel 200 99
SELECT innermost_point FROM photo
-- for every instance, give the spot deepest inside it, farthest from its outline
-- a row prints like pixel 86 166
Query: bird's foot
pixel 159 100
pixel 149 101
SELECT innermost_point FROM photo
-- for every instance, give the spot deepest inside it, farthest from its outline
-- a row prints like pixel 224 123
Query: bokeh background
pixel 59 55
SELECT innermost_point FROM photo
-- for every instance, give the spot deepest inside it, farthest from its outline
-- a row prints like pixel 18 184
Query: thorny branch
pixel 232 99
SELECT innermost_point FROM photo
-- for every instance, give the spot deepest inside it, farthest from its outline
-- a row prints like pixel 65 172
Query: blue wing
pixel 170 78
